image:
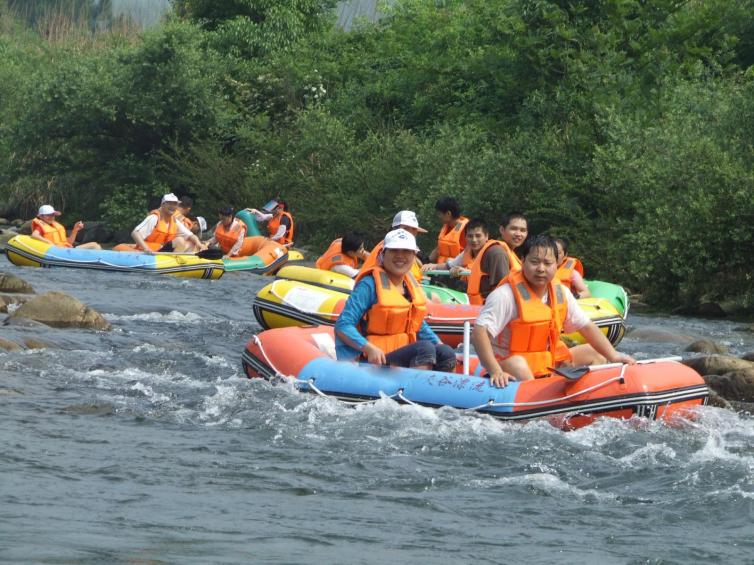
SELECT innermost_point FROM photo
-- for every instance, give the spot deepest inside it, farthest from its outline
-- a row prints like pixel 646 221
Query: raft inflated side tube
pixel 252 228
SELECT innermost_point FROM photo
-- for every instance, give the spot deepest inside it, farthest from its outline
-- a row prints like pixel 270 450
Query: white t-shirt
pixel 345 270
pixel 150 222
pixel 500 309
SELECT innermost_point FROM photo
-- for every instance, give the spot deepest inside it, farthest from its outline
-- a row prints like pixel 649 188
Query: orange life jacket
pixel 449 240
pixel 274 223
pixel 566 270
pixel 186 221
pixel 538 325
pixel 227 238
pixel 54 233
pixel 474 281
pixel 163 232
pixel 514 263
pixel 335 256
pixel 371 261
pixel 393 321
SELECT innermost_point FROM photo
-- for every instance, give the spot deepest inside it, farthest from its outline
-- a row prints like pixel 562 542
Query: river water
pixel 145 444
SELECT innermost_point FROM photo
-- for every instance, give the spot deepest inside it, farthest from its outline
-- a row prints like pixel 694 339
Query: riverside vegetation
pixel 623 125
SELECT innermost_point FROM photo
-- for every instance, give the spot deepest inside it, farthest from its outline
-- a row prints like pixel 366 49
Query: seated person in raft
pixel 383 319
pixel 45 228
pixel 229 233
pixel 486 259
pixel 280 226
pixel 160 231
pixel 517 333
pixel 344 255
pixel 570 272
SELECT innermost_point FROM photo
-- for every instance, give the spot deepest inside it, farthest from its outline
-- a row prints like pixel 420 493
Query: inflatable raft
pixel 284 303
pixel 342 283
pixel 613 293
pixel 29 252
pixel 657 389
pixel 267 258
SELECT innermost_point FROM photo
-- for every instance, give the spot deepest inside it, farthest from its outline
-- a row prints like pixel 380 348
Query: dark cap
pixel 227 211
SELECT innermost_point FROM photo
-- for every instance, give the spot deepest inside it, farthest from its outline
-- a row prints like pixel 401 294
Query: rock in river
pixel 717 364
pixel 11 283
pixel 60 310
pixel 706 346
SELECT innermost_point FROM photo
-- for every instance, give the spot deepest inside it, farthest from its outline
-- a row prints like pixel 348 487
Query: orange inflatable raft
pixel 659 389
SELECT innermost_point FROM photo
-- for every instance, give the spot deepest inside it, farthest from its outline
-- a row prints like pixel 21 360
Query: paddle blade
pixel 210 254
pixel 571 373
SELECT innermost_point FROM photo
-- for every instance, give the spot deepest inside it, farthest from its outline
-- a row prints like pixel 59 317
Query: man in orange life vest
pixel 383 319
pixel 517 333
pixel 279 221
pixel 513 231
pixel 405 220
pixel 159 229
pixel 343 255
pixel 484 257
pixel 229 234
pixel 570 271
pixel 451 240
pixel 45 228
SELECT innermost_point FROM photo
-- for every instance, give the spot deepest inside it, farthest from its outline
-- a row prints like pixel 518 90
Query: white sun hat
pixel 400 239
pixel 170 197
pixel 407 218
pixel 47 210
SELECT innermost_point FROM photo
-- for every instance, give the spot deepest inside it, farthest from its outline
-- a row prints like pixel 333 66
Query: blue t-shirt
pixel 348 339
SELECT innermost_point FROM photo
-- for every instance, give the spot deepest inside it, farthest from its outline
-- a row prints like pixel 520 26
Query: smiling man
pixel 513 231
pixel 517 333
pixel 383 319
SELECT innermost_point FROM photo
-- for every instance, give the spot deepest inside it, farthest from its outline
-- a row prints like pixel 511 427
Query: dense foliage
pixel 623 125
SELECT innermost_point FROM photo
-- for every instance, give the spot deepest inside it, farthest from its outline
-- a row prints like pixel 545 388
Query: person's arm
pixel 483 347
pixel 433 256
pixel 237 245
pixel 280 233
pixel 363 296
pixel 36 233
pixel 183 231
pixel 594 337
pixel 495 264
pixel 143 230
pixel 74 232
pixel 578 286
pixel 261 216
pixel 345 270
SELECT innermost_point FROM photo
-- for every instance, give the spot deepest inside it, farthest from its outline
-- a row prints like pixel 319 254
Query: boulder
pixel 706 346
pixel 718 401
pixel 7 299
pixel 4 222
pixel 11 283
pixel 717 364
pixel 60 310
pixel 9 345
pixel 659 335
pixel 34 343
pixel 736 385
pixel 18 222
pixel 25 228
pixel 711 310
pixel 95 231
pixel 10 392
pixel 748 356
pixel 6 236
pixel 21 322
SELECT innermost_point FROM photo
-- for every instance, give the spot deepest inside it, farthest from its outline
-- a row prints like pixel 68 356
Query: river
pixel 145 444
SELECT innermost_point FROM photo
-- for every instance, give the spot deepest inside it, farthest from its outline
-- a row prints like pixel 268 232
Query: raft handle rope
pixel 310 312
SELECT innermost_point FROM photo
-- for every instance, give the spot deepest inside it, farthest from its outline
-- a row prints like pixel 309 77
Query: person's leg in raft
pixel 417 355
pixel 585 355
pixel 518 367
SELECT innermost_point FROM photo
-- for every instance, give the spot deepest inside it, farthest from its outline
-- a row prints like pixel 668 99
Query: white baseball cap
pixel 47 210
pixel 407 218
pixel 170 197
pixel 400 239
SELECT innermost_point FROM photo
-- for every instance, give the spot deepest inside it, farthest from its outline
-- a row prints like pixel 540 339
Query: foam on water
pixel 172 317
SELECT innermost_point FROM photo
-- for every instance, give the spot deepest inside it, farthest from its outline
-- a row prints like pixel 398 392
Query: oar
pixel 209 254
pixel 444 273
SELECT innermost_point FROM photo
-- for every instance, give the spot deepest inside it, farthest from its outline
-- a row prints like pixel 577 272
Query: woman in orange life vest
pixel 451 240
pixel 344 255
pixel 158 231
pixel 517 333
pixel 406 220
pixel 45 228
pixel 514 228
pixel 383 319
pixel 486 259
pixel 570 272
pixel 230 233
pixel 279 221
